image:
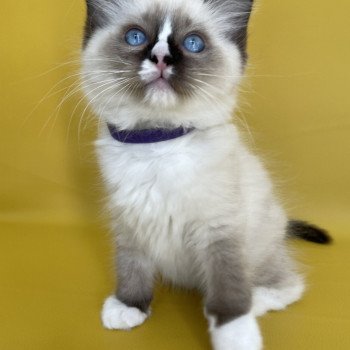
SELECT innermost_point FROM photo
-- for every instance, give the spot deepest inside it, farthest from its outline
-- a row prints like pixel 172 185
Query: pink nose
pixel 161 64
pixel 161 61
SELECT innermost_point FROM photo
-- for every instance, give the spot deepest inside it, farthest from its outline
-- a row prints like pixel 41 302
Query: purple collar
pixel 147 135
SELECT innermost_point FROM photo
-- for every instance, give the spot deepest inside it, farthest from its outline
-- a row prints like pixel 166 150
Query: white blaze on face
pixel 161 49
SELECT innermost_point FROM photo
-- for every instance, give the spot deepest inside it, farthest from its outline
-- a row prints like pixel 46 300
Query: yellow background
pixel 56 263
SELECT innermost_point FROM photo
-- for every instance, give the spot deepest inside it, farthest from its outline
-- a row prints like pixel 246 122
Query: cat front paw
pixel 116 315
pixel 240 334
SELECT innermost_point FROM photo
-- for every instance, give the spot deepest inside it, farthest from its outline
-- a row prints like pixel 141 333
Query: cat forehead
pixel 165 5
pixel 166 23
pixel 158 11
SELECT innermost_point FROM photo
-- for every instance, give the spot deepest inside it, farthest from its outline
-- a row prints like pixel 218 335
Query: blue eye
pixel 135 37
pixel 194 43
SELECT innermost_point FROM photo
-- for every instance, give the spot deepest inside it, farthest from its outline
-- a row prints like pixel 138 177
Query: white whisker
pixel 71 92
pixel 101 85
pixel 82 116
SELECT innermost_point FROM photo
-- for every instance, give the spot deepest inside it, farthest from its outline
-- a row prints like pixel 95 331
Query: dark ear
pixel 237 12
pixel 98 15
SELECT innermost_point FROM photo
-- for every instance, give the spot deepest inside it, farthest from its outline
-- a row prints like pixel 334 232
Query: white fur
pixel 161 49
pixel 166 31
pixel 268 299
pixel 240 334
pixel 149 71
pixel 116 315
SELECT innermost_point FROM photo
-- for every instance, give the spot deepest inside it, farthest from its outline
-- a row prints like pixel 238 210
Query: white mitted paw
pixel 116 315
pixel 240 334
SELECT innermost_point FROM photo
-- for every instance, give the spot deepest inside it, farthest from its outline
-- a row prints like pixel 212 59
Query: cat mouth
pixel 159 91
pixel 160 83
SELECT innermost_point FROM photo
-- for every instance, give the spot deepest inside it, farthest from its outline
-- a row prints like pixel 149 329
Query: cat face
pixel 163 53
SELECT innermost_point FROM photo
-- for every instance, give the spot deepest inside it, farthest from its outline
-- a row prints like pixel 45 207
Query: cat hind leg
pixel 276 298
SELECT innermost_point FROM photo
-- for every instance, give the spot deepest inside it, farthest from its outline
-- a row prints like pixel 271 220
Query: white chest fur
pixel 167 191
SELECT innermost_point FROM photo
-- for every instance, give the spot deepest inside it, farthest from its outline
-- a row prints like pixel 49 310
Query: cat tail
pixel 307 232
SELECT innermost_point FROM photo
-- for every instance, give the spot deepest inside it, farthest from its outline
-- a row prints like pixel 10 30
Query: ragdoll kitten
pixel 188 200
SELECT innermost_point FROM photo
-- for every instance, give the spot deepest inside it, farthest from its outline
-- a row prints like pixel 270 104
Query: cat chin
pixel 160 95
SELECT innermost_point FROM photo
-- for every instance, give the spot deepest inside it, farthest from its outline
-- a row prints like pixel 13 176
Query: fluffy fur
pixel 199 210
pixel 241 333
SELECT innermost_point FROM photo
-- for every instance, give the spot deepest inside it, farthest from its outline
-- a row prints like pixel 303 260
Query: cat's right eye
pixel 135 37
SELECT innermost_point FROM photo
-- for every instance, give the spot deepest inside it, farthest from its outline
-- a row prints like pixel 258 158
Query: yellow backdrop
pixel 56 263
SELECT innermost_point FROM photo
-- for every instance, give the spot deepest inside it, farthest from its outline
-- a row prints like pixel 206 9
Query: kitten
pixel 187 198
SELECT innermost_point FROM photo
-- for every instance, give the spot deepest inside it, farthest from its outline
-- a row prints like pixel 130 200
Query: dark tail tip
pixel 308 232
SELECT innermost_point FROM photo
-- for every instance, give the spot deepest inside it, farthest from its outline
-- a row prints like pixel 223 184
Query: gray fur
pixel 97 16
pixel 238 12
pixel 276 271
pixel 308 232
pixel 228 291
pixel 135 278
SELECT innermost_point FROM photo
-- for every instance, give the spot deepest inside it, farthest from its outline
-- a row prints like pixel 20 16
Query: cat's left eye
pixel 135 37
pixel 194 43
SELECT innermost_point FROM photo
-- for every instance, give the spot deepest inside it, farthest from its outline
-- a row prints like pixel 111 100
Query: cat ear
pixel 99 13
pixel 236 14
